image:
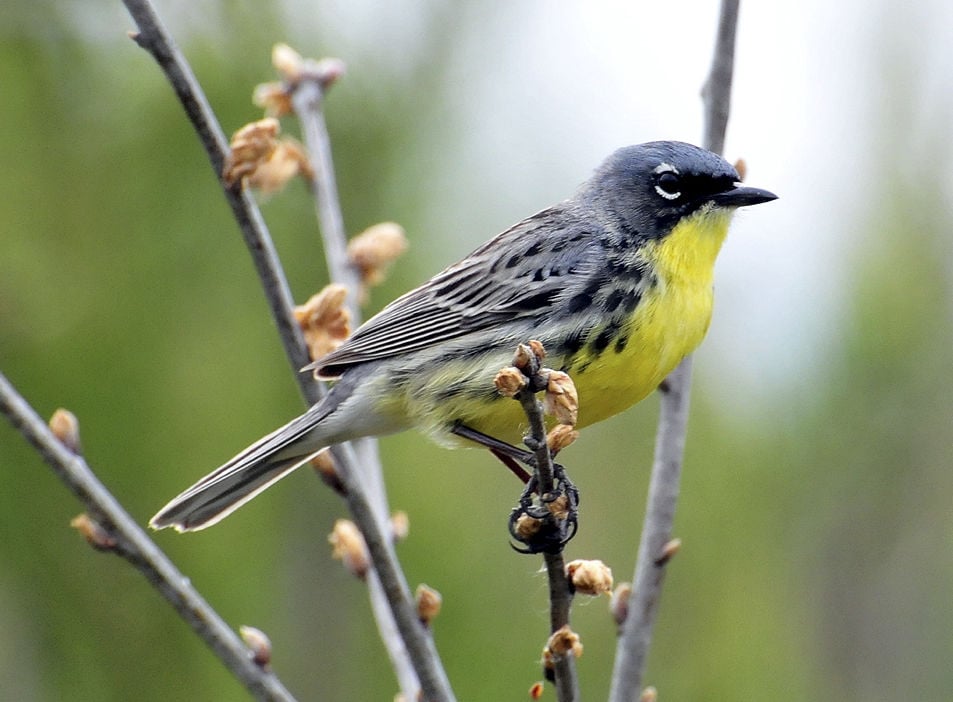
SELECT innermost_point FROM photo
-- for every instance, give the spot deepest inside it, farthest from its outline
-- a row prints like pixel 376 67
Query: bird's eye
pixel 668 185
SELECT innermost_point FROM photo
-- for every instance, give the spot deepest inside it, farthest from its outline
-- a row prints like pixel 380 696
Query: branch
pixel 130 542
pixel 307 99
pixel 434 685
pixel 155 39
pixel 716 93
pixel 408 643
pixel 636 635
pixel 528 361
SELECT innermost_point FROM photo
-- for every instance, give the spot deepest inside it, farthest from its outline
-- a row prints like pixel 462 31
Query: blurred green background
pixel 817 506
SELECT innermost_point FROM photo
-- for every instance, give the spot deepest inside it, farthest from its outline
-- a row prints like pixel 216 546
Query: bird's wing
pixel 525 271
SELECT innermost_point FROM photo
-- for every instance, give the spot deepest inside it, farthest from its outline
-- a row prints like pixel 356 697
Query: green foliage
pixel 816 539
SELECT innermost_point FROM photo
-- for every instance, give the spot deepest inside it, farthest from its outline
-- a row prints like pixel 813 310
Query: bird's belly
pixel 667 325
pixel 611 372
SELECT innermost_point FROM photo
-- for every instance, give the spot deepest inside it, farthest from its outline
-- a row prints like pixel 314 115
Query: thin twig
pixel 307 100
pixel 565 677
pixel 134 545
pixel 636 635
pixel 408 644
pixel 434 685
pixel 536 439
pixel 155 39
pixel 716 93
pixel 560 596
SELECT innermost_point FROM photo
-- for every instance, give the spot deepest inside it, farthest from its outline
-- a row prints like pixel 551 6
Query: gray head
pixel 651 186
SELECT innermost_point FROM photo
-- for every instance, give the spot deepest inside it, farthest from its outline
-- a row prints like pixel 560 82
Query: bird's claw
pixel 545 523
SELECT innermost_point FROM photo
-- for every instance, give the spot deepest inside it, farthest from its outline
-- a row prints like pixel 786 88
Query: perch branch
pixel 560 596
pixel 636 635
pixel 134 545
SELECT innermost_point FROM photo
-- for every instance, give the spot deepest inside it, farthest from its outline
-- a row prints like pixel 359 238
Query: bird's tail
pixel 230 486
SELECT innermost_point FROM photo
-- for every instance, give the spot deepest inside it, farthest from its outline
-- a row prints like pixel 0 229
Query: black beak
pixel 742 195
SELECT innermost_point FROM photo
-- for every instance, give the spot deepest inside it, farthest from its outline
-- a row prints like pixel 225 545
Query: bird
pixel 616 282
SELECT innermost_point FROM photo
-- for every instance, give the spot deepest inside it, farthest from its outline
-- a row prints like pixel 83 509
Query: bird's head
pixel 653 186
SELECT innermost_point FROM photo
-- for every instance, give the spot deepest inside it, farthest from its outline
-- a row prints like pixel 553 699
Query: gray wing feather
pixel 523 272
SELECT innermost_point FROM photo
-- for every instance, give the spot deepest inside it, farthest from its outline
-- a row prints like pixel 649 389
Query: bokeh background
pixel 817 506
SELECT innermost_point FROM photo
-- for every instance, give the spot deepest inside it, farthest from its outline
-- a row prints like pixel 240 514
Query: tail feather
pixel 202 506
pixel 256 468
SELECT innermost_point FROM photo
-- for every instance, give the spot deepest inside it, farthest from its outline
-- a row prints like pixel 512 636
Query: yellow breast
pixel 668 324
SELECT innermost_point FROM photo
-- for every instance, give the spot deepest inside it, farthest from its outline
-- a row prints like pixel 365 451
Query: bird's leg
pixel 509 455
pixel 532 510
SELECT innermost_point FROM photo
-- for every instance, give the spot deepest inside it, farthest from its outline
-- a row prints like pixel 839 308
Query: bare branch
pixel 419 644
pixel 307 100
pixel 368 507
pixel 636 635
pixel 716 93
pixel 154 38
pixel 560 594
pixel 128 540
pixel 414 658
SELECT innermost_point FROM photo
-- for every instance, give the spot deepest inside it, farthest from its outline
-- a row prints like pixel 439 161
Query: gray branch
pixel 307 100
pixel 135 546
pixel 636 635
pixel 372 522
pixel 560 596
pixel 408 643
pixel 154 38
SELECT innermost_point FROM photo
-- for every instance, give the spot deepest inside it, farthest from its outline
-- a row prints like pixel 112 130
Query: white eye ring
pixel 661 170
pixel 667 195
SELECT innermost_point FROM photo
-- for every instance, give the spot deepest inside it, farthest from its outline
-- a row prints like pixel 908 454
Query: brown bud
pixel 537 348
pixel 524 357
pixel 668 551
pixel 742 167
pixel 509 381
pixel 564 641
pixel 323 465
pixel 348 546
pixel 559 507
pixel 527 527
pixel 619 602
pixel 250 145
pixel 324 320
pixel 287 62
pixel 259 644
pixel 429 602
pixel 94 533
pixel 65 427
pixel 561 399
pixel 559 437
pixel 589 577
pixel 374 249
pixel 536 690
pixel 285 162
pixel 274 98
pixel 260 160
pixel 399 525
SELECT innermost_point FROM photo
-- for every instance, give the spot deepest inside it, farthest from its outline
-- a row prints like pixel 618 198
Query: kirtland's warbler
pixel 616 282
